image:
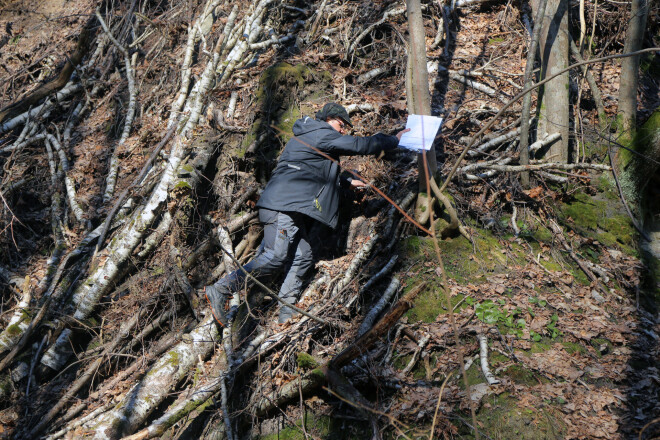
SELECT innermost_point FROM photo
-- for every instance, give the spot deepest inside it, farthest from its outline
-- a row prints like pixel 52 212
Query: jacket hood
pixel 308 124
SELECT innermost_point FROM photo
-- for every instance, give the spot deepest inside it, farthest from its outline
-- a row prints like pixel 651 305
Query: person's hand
pixel 355 183
pixel 399 134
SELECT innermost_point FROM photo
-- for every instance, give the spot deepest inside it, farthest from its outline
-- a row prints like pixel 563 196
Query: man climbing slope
pixel 304 189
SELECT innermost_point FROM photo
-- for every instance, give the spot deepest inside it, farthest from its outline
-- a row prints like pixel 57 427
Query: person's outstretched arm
pixel 346 145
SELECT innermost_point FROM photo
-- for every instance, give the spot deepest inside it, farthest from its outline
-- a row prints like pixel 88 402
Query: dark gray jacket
pixel 306 182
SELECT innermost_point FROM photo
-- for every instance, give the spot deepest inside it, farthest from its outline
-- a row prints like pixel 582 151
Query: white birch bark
pixel 68 90
pixel 17 324
pixel 111 180
pixel 483 356
pixel 68 182
pixel 148 393
pixel 357 261
pixel 378 307
pixel 112 260
pixel 237 54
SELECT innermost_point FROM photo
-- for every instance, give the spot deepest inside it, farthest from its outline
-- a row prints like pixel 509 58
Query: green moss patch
pixel 306 361
pixel 460 263
pixel 502 418
pixel 574 347
pixel 600 217
pixel 282 89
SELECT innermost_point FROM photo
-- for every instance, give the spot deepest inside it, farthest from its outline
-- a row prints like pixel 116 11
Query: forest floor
pixel 553 277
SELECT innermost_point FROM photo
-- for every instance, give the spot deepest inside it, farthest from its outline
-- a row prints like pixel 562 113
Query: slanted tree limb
pixel 356 262
pixel 456 76
pixel 68 183
pixel 122 197
pixel 490 123
pixel 483 356
pixel 418 350
pixel 365 341
pixel 381 273
pixel 143 398
pixel 368 29
pixel 200 395
pixel 42 110
pixel 61 433
pixel 494 142
pixel 89 373
pixel 313 380
pixel 560 236
pixel 111 180
pixel 368 321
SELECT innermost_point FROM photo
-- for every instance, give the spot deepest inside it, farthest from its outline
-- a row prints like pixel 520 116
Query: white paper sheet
pixel 422 132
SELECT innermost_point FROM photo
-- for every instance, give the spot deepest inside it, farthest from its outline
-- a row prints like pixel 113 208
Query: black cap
pixel 333 110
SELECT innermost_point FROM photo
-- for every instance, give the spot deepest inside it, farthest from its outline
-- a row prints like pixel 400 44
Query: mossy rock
pixel 460 263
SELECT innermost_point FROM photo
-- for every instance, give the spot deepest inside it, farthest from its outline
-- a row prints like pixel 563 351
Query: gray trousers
pixel 285 247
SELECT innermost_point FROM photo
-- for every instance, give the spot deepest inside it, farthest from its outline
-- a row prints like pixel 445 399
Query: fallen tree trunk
pixel 147 394
pixel 111 262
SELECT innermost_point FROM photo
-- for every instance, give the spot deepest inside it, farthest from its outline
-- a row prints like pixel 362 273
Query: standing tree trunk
pixel 635 171
pixel 527 100
pixel 419 98
pixel 553 97
pixel 630 70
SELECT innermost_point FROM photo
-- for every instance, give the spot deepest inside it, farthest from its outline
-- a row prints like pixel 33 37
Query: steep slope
pixel 103 333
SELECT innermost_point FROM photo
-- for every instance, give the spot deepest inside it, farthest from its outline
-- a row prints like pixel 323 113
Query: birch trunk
pixel 150 392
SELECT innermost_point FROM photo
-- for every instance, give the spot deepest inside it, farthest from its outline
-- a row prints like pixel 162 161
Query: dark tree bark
pixel 629 81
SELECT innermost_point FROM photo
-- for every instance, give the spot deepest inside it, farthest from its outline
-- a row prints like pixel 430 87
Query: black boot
pixel 218 300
